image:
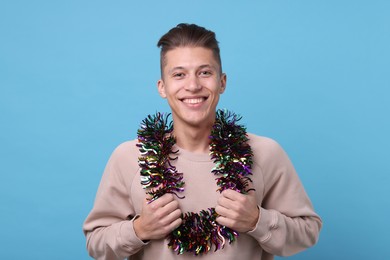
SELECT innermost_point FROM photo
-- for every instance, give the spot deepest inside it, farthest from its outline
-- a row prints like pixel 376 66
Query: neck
pixel 193 139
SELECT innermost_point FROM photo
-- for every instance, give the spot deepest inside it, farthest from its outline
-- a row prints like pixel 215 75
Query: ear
pixel 161 88
pixel 223 83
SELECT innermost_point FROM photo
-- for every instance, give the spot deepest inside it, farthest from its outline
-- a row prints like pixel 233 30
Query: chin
pixel 198 119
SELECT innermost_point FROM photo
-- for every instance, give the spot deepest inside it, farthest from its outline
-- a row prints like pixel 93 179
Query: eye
pixel 178 75
pixel 205 73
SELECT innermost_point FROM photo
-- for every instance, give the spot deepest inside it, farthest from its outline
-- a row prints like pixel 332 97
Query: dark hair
pixel 188 35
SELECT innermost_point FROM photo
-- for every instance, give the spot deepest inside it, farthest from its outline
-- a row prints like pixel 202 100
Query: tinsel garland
pixel 232 155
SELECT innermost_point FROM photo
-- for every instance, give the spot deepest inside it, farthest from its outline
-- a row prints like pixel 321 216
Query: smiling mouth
pixel 193 100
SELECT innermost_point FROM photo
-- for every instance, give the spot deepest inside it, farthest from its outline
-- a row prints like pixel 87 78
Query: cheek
pixel 172 101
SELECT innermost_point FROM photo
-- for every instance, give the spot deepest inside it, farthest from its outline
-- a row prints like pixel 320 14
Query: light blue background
pixel 76 77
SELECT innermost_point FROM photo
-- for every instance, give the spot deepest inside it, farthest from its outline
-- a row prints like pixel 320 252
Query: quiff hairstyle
pixel 188 35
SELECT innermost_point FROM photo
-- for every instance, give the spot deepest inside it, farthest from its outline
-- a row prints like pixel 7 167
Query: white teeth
pixel 192 100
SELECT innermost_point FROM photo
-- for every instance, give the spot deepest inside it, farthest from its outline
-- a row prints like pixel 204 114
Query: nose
pixel 193 84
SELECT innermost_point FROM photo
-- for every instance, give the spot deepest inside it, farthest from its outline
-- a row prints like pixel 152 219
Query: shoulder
pixel 125 153
pixel 263 145
pixel 127 147
pixel 266 151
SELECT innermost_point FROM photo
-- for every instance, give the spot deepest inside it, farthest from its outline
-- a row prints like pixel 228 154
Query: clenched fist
pixel 158 218
pixel 237 211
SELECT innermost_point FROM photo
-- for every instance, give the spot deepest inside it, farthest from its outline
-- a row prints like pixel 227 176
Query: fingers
pixel 177 221
pixel 165 208
pixel 237 211
pixel 158 218
pixel 228 207
pixel 234 200
pixel 229 213
pixel 161 201
pixel 169 214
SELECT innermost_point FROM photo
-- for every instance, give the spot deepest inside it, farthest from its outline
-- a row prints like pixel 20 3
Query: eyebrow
pixel 207 66
pixel 176 68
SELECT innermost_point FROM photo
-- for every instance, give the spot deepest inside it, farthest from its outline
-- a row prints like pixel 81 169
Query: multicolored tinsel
pixel 232 155
pixel 155 145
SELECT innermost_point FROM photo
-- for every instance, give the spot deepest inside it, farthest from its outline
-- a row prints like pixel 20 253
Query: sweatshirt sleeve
pixel 109 226
pixel 287 223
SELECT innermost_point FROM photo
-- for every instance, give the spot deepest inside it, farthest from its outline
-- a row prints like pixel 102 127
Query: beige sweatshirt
pixel 287 223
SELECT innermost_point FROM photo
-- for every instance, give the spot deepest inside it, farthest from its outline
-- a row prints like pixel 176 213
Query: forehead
pixel 189 57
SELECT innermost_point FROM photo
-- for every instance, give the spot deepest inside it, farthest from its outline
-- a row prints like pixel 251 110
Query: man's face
pixel 192 83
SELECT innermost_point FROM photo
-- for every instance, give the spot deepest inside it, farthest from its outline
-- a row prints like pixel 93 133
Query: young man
pixel 202 188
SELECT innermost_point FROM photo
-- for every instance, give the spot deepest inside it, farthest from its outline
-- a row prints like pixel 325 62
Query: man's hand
pixel 158 218
pixel 237 211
